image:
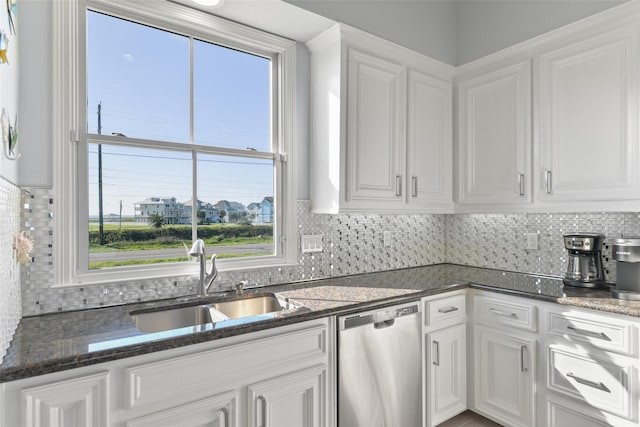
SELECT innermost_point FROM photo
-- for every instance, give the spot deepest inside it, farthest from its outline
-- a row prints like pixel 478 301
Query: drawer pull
pixel 503 313
pixel 436 353
pixel 448 310
pixel 598 386
pixel 599 335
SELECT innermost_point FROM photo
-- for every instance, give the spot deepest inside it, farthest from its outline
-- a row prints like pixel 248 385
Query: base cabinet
pixel 278 377
pixel 504 376
pixel 446 374
pixel 82 401
pixel 290 400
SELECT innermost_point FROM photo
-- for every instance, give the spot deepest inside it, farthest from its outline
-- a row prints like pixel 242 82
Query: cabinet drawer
pixel 605 332
pixel 445 309
pixel 512 312
pixel 559 415
pixel 601 383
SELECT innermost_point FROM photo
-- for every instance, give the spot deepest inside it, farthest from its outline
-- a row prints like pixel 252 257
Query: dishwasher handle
pixel 380 319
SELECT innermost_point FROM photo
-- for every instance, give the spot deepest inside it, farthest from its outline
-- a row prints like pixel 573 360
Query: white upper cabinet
pixel 552 123
pixel 375 131
pixel 588 119
pixel 494 119
pixel 380 126
pixel 429 143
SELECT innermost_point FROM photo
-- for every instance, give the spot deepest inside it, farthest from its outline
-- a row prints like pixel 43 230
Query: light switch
pixel 532 241
pixel 311 243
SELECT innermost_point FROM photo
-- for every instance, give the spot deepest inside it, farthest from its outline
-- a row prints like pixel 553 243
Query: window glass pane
pixel 145 219
pixel 140 76
pixel 231 98
pixel 235 205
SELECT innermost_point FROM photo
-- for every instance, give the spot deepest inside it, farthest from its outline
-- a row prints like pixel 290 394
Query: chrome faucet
pixel 206 277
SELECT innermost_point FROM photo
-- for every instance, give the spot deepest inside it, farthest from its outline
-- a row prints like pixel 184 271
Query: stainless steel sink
pixel 212 311
pixel 260 304
pixel 175 318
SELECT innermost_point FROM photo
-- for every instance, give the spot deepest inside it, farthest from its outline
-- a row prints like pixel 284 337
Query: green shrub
pixel 181 233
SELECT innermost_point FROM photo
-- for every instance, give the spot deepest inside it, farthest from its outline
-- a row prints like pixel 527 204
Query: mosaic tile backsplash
pixel 500 241
pixel 10 295
pixel 353 243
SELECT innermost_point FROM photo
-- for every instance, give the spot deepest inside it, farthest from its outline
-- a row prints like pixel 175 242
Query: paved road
pixel 261 248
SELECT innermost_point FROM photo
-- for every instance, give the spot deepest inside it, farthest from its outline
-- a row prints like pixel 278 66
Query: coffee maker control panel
pixel 582 243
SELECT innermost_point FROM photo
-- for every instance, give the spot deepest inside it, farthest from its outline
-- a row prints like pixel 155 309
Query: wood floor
pixel 469 419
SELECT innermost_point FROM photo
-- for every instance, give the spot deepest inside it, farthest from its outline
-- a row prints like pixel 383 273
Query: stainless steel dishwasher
pixel 380 368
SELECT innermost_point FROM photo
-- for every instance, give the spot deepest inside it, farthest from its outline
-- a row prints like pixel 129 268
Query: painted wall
pixel 486 26
pixel 35 93
pixel 456 31
pixel 428 27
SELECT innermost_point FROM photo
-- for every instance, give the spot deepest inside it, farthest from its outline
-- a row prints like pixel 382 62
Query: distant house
pixel 207 213
pixel 169 208
pixel 255 211
pixel 266 210
pixel 228 207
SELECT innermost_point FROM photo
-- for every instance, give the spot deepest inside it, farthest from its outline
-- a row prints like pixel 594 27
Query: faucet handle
pixel 240 287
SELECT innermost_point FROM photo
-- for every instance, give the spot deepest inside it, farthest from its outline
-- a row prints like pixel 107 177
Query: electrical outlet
pixel 386 238
pixel 312 243
pixel 532 241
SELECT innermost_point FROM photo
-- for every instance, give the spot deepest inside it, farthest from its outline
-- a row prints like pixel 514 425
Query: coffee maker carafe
pixel 585 260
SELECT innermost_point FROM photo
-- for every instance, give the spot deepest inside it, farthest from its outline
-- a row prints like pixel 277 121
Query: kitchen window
pixel 181 129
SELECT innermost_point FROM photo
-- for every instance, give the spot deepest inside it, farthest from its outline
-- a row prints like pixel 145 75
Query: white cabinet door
pixel 447 375
pixel 75 402
pixel 588 119
pixel 429 144
pixel 504 374
pixel 215 411
pixel 375 131
pixel 297 399
pixel 494 142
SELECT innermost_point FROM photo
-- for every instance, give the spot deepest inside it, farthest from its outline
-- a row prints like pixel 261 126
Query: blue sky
pixel 140 76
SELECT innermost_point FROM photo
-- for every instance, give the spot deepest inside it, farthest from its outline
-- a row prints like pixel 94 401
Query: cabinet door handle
pixel 398 185
pixel 414 186
pixel 502 313
pixel 547 181
pixel 448 310
pixel 521 183
pixel 523 368
pixel 225 412
pixel 589 383
pixel 436 353
pixel 263 412
pixel 599 335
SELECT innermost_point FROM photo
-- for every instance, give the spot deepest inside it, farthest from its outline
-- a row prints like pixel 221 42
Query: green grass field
pixel 123 263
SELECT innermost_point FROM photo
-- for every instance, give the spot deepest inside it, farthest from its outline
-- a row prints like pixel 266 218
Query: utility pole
pixel 100 211
pixel 120 226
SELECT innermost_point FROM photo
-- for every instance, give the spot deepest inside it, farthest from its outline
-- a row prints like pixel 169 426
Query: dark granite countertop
pixel 56 342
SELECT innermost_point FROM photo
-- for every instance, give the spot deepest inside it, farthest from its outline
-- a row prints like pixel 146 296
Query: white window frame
pixel 70 205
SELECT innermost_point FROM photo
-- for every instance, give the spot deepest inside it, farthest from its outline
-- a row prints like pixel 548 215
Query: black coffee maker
pixel 584 269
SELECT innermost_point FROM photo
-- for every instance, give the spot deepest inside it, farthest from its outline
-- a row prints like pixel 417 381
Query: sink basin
pixel 213 311
pixel 244 307
pixel 157 321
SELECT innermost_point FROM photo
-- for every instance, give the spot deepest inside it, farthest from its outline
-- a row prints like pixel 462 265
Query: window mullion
pixel 194 167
